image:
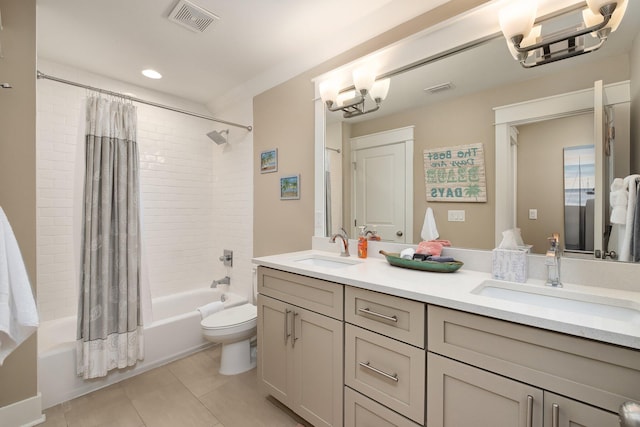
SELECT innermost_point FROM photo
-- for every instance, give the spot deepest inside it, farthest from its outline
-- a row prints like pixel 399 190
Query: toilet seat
pixel 232 317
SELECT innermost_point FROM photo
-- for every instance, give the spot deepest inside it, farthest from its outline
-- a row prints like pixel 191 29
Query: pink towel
pixel 432 247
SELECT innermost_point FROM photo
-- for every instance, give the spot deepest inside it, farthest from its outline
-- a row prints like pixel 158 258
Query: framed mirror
pixel 470 75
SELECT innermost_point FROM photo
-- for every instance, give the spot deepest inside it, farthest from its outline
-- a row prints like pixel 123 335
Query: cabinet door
pixel 317 343
pixel 563 412
pixel 274 342
pixel 461 395
pixel 360 411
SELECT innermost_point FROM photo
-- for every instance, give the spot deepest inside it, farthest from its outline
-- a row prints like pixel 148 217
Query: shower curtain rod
pixel 41 75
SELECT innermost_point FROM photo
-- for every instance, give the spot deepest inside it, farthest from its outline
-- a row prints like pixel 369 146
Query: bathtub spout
pixel 226 280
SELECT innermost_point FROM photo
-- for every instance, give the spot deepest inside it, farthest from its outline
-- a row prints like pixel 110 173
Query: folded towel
pixel 429 229
pixel 208 309
pixel 407 253
pixel 18 313
pixel 432 247
pixel 631 183
pixel 618 199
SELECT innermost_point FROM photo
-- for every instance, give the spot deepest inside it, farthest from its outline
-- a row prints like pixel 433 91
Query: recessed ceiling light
pixel 152 74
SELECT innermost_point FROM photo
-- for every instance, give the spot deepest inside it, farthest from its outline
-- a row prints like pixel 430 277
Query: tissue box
pixel 510 264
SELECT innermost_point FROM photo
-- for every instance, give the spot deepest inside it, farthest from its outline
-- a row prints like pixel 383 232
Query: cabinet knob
pixel 629 413
pixel 399 233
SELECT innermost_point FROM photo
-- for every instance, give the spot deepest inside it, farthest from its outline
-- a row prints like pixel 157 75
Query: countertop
pixel 454 290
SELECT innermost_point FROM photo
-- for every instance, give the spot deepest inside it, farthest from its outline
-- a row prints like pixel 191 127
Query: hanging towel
pixel 635 233
pixel 18 314
pixel 618 198
pixel 208 309
pixel 429 229
pixel 631 184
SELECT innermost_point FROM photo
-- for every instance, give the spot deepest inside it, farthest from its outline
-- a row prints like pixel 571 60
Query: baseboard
pixel 25 413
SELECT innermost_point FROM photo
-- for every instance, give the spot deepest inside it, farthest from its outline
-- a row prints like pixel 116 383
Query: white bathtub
pixel 174 333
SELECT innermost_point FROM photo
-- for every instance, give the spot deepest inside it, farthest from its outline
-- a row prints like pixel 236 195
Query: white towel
pixel 208 309
pixel 429 229
pixel 618 198
pixel 631 183
pixel 18 313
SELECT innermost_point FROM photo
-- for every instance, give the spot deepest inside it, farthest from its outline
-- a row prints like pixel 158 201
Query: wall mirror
pixel 465 87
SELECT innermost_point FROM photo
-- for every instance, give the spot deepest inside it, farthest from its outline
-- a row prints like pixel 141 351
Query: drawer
pixel 394 317
pixel 600 374
pixel 360 411
pixel 388 371
pixel 313 294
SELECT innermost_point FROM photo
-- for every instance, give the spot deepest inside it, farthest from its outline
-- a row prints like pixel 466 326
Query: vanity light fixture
pixel 352 102
pixel 600 18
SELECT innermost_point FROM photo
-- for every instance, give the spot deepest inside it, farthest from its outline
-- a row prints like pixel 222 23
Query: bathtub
pixel 174 333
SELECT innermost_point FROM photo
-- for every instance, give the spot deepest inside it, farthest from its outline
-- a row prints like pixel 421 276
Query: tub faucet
pixel 552 261
pixel 226 280
pixel 344 250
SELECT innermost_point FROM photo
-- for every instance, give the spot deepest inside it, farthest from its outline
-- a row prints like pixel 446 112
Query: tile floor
pixel 186 393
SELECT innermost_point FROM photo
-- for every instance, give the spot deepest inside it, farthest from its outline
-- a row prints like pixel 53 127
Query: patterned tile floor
pixel 186 393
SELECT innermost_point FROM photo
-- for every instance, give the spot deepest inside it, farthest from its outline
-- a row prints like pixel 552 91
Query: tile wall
pixel 196 195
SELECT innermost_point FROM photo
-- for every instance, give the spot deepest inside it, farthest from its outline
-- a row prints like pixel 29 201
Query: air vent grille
pixel 192 16
pixel 438 88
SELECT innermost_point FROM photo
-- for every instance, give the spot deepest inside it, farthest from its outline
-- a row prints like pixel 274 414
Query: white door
pixel 382 184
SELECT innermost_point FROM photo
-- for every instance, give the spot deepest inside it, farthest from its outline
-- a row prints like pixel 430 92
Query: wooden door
pixel 317 343
pixel 461 395
pixel 563 412
pixel 382 184
pixel 274 343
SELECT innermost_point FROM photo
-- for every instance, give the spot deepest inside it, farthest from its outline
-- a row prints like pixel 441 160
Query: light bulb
pixel 328 91
pixel 380 90
pixel 363 79
pixel 517 19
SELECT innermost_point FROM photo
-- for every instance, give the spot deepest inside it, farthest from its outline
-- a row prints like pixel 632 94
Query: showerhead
pixel 219 137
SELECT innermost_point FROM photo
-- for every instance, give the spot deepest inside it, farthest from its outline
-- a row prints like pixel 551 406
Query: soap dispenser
pixel 362 242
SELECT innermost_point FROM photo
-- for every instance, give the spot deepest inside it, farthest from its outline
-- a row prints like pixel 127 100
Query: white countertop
pixel 453 290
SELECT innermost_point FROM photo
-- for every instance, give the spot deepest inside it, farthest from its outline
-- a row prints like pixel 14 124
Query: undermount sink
pixel 326 261
pixel 561 299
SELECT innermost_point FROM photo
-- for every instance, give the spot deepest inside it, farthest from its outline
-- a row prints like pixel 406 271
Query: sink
pixel 326 261
pixel 561 299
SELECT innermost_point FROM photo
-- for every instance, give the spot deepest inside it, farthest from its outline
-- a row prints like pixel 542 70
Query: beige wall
pixel 540 174
pixel 469 120
pixel 284 119
pixel 18 379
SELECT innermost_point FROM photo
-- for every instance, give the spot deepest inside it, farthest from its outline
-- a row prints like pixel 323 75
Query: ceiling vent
pixel 438 88
pixel 191 16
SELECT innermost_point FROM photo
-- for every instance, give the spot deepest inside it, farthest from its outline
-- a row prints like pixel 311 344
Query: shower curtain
pixel 109 316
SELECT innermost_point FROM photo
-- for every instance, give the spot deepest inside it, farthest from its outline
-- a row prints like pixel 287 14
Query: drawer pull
pixel 286 326
pixel 393 318
pixel 555 415
pixel 529 411
pixel 367 365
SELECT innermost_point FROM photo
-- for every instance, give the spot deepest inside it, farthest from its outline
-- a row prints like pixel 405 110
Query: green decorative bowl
pixel 433 266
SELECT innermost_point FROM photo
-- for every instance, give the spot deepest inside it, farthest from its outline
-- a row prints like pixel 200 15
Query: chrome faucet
pixel 226 280
pixel 344 250
pixel 552 261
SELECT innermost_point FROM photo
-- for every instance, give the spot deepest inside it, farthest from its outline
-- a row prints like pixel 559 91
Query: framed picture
pixel 290 187
pixel 269 161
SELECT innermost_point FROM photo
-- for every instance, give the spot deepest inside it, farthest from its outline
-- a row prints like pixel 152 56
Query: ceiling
pixel 255 45
pixel 493 66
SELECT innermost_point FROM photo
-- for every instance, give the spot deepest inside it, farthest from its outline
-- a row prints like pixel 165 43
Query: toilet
pixel 234 328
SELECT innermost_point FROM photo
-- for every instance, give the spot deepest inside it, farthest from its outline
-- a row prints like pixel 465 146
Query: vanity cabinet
pixel 300 351
pixel 508 374
pixel 384 359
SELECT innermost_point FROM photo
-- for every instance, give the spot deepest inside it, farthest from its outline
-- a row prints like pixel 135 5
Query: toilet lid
pixel 230 317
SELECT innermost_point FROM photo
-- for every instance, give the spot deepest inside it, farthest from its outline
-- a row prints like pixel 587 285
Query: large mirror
pixel 450 102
